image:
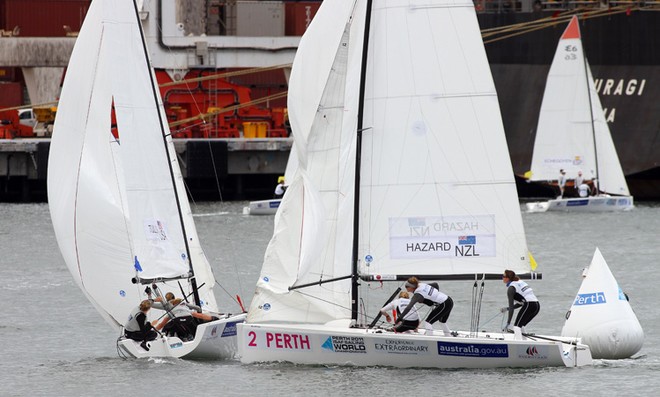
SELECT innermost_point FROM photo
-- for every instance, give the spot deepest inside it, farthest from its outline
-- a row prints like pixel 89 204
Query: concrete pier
pixel 228 169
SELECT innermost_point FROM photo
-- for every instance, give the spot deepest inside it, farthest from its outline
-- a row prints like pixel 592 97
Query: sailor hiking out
pixel 183 320
pixel 137 327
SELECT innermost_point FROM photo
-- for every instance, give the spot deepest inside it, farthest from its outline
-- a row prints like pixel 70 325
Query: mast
pixel 591 114
pixel 164 134
pixel 358 160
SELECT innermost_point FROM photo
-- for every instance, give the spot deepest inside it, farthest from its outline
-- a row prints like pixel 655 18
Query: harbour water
pixel 54 343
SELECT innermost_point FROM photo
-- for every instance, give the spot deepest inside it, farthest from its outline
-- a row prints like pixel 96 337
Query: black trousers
pixel 406 325
pixel 441 312
pixel 141 336
pixel 182 327
pixel 527 312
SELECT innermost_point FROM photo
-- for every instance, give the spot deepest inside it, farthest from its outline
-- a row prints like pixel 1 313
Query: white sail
pixel 114 200
pixel 437 195
pixel 291 165
pixel 161 219
pixel 313 63
pixel 434 156
pixel 601 315
pixel 571 118
pixel 313 221
pixel 436 192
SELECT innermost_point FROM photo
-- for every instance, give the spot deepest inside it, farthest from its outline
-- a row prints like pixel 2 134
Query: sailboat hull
pixel 262 207
pixel 325 345
pixel 584 204
pixel 215 340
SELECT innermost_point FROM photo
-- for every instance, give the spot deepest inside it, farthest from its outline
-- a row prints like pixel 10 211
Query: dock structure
pixel 213 169
pixel 222 36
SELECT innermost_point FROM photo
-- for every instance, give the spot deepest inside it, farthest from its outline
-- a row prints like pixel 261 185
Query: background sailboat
pixel 573 135
pixel 428 190
pixel 602 316
pixel 117 202
pixel 270 206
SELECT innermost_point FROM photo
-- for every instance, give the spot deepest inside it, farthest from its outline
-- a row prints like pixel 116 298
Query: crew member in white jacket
pixel 410 322
pixel 430 295
pixel 521 296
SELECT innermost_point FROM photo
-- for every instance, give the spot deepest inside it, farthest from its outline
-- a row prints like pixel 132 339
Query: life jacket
pixel 524 292
pixel 401 305
pixel 181 310
pixel 132 324
pixel 430 294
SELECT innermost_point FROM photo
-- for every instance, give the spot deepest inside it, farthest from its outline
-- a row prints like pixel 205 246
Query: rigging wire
pixel 527 27
pixel 422 313
pixel 215 169
pixel 120 352
pixel 227 74
pixel 480 301
pixel 187 83
pixel 227 292
pixel 477 299
pixel 473 300
pixel 494 317
pixel 203 116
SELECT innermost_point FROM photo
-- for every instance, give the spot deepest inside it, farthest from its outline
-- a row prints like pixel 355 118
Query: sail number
pixel 571 52
pixel 253 341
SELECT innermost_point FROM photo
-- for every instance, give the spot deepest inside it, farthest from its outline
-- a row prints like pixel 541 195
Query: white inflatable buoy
pixel 601 315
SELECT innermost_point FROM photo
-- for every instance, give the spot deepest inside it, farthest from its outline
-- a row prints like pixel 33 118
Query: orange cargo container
pixel 298 16
pixel 43 18
pixel 11 94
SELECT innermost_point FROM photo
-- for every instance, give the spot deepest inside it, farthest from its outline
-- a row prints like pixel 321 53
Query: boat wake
pixel 220 213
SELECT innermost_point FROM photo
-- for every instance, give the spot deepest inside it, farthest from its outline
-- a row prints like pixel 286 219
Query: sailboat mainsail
pixel 437 195
pixel 437 189
pixel 431 178
pixel 572 132
pixel 117 203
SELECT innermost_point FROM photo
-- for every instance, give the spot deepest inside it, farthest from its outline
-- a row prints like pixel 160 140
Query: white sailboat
pixel 572 135
pixel 270 206
pixel 263 207
pixel 601 315
pixel 118 206
pixel 406 98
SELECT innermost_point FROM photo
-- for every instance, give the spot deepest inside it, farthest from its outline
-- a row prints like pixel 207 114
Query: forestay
pixel 571 118
pixel 112 200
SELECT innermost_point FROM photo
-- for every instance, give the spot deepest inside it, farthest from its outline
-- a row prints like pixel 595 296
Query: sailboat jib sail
pixel 84 193
pixel 315 215
pixel 116 193
pixel 308 84
pixel 428 190
pixel 572 132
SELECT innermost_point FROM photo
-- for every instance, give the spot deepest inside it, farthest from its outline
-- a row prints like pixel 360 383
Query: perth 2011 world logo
pixel 345 344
